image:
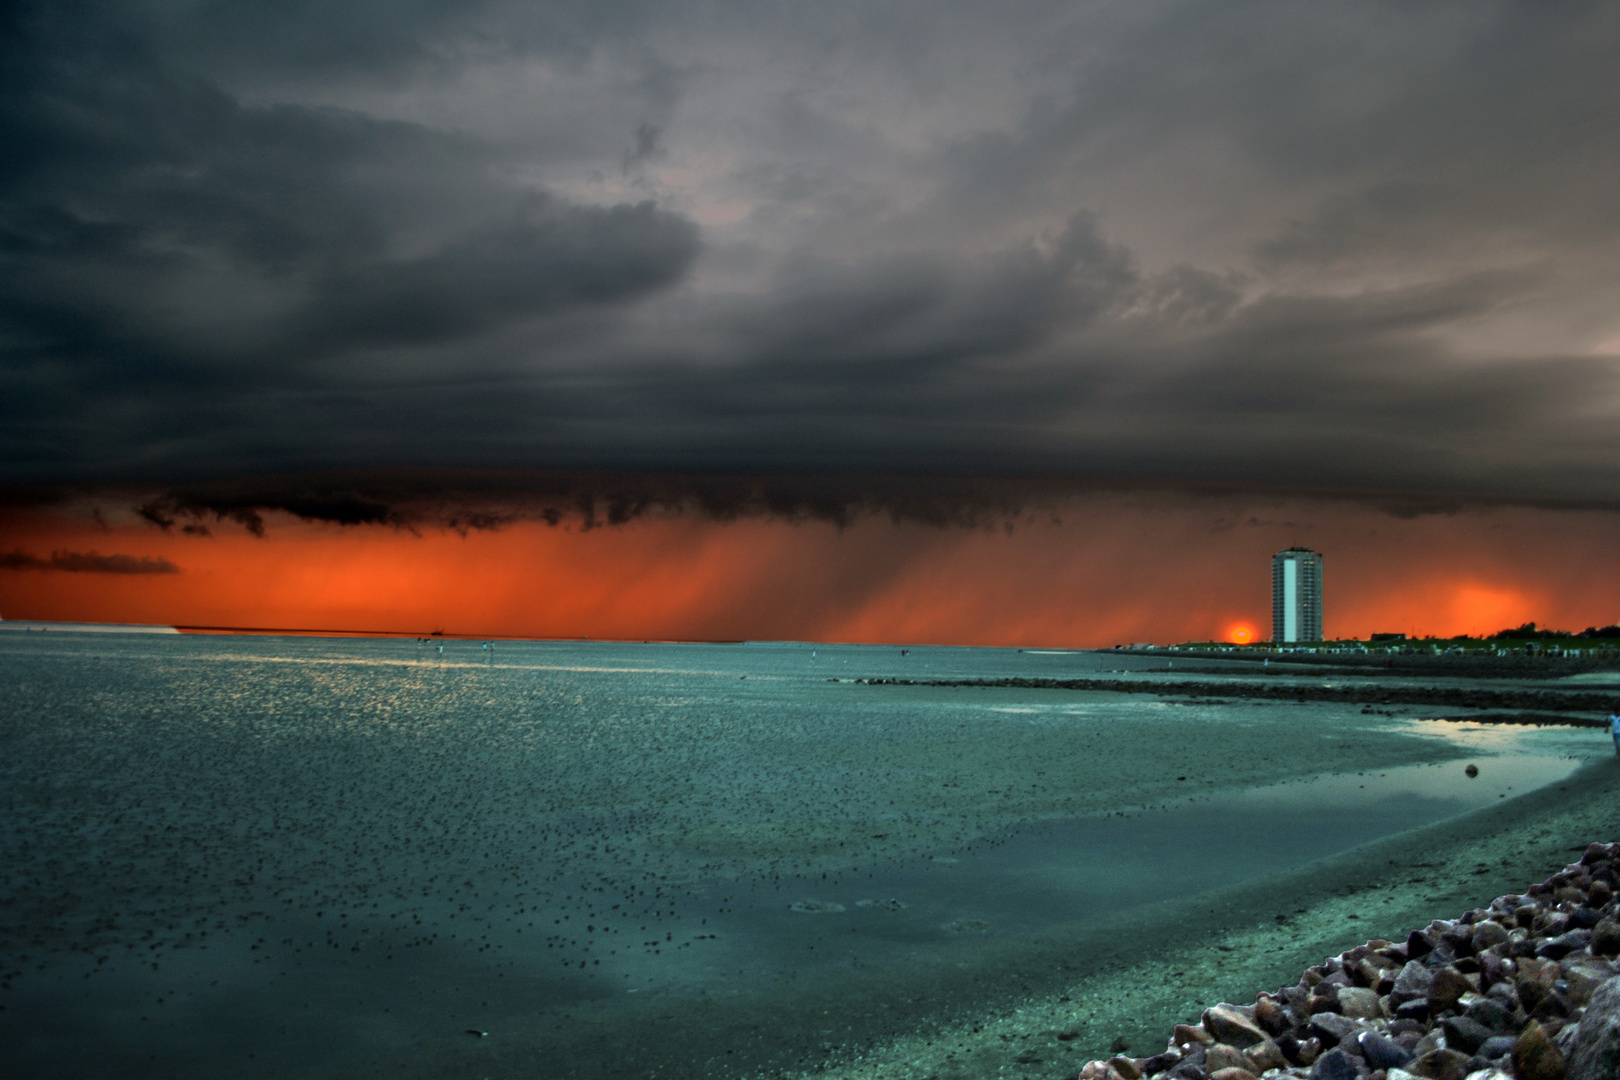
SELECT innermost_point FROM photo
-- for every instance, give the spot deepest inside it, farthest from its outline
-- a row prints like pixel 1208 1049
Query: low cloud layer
pixel 425 501
pixel 487 501
pixel 1361 247
pixel 87 562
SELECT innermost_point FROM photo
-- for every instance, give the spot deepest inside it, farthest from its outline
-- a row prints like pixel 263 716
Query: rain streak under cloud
pixel 1347 246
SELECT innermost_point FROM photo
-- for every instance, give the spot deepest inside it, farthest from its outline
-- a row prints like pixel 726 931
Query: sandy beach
pixel 1159 968
pixel 1044 1008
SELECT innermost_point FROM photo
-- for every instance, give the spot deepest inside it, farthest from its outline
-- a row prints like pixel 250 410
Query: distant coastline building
pixel 1296 595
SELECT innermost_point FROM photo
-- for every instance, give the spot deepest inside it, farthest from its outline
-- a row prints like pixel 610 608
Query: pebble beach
pixel 1523 988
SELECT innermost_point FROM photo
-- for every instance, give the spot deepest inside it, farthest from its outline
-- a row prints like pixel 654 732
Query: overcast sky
pixel 1362 245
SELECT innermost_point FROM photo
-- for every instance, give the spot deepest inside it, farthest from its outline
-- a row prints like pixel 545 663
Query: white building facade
pixel 1296 595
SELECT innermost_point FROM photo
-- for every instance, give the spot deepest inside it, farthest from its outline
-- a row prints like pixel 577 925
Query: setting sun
pixel 1240 633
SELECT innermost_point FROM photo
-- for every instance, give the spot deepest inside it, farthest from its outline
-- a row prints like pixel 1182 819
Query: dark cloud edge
pixel 87 562
pixel 483 500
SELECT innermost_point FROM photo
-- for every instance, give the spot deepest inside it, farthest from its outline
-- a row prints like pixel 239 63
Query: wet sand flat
pixel 1157 967
pixel 1042 1006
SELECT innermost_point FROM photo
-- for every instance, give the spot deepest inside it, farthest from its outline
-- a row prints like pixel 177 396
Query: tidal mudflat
pixel 299 856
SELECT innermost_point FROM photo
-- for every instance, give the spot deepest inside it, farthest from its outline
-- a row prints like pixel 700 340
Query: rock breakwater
pixel 1504 699
pixel 1524 989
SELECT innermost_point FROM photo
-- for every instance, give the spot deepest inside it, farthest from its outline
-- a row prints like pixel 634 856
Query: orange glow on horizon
pixel 1116 570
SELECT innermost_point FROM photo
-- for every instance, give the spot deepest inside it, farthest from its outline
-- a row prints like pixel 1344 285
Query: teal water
pixel 258 854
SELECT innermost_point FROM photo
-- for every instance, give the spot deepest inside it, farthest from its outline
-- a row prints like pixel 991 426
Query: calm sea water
pixel 258 854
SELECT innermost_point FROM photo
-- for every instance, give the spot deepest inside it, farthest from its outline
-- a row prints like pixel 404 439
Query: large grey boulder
pixel 1412 982
pixel 1596 1053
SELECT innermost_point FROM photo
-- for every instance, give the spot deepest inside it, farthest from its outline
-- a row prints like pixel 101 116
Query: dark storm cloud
pixel 1352 391
pixel 391 38
pixel 482 500
pixel 155 229
pixel 541 260
pixel 912 316
pixel 87 562
pixel 1365 247
pixel 1379 126
pixel 489 500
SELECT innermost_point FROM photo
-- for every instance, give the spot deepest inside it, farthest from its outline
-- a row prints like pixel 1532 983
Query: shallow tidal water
pixel 263 855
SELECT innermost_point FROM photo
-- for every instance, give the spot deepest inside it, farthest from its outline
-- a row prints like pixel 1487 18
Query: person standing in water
pixel 1614 730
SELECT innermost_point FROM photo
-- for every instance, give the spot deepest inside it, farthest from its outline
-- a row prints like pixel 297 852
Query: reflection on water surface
pixel 228 854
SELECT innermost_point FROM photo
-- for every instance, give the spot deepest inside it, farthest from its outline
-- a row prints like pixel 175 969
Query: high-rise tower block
pixel 1296 595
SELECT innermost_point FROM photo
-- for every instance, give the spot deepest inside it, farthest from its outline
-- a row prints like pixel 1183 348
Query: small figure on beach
pixel 1614 730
